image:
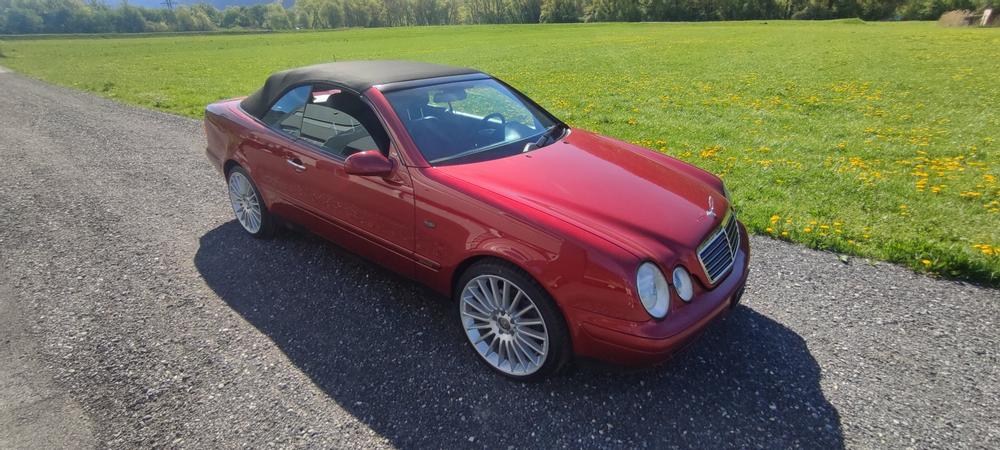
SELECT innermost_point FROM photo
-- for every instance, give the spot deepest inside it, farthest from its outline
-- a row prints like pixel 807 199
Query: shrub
pixel 957 18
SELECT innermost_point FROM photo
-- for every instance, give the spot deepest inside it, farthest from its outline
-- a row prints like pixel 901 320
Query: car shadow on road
pixel 390 353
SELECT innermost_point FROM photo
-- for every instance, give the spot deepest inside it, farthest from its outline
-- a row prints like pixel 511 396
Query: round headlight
pixel 653 290
pixel 682 283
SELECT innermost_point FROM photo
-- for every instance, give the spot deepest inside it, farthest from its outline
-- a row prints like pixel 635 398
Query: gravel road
pixel 134 312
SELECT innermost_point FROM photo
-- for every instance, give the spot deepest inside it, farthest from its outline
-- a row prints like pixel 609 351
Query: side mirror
pixel 368 163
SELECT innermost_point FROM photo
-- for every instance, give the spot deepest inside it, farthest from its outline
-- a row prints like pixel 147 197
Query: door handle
pixel 296 164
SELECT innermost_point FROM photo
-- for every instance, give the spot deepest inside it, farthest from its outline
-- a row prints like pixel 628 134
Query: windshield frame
pixel 474 154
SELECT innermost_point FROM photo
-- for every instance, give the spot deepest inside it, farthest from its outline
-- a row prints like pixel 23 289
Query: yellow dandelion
pixel 926 262
pixel 710 152
pixel 807 229
pixel 769 230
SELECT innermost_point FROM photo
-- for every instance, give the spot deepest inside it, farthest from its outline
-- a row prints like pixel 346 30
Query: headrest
pixel 348 104
pixel 449 95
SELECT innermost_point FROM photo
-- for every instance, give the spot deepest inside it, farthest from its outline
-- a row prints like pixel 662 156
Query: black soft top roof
pixel 354 75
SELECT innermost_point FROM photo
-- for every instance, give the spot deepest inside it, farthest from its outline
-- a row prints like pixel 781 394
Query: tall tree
pixel 332 12
pixel 487 11
pixel 276 18
pixel 560 11
pixel 398 13
pixel 130 20
pixel 524 11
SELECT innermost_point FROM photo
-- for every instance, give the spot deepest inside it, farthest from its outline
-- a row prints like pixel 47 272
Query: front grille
pixel 718 252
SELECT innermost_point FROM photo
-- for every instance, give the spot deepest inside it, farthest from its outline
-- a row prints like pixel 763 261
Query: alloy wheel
pixel 504 325
pixel 245 203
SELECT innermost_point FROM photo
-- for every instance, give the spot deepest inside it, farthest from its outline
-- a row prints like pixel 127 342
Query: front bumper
pixel 643 343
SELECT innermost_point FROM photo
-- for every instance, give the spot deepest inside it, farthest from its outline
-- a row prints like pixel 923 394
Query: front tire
pixel 248 205
pixel 512 324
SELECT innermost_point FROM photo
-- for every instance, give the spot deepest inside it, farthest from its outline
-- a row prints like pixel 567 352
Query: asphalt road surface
pixel 134 312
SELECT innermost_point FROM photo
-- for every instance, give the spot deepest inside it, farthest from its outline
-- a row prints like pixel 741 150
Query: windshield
pixel 468 121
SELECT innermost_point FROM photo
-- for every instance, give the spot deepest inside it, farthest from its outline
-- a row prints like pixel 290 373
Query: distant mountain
pixel 218 4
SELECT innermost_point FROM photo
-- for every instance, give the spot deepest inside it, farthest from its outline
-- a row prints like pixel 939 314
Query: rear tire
pixel 248 205
pixel 512 324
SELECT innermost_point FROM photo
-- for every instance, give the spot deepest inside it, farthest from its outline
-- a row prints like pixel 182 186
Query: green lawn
pixel 878 140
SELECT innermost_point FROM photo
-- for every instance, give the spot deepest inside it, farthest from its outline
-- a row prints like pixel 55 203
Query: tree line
pixel 96 16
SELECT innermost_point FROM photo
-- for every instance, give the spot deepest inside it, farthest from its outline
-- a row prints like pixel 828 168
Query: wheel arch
pixel 232 163
pixel 469 261
pixel 228 165
pixel 464 265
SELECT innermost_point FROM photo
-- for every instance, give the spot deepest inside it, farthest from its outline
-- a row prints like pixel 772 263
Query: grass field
pixel 876 140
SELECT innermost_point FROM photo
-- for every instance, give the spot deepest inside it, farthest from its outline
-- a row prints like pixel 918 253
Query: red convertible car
pixel 553 241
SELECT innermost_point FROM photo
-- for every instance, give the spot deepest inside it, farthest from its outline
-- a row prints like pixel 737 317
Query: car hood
pixel 646 203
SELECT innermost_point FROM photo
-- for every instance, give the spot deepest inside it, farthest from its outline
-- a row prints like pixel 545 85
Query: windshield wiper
pixel 550 136
pixel 463 154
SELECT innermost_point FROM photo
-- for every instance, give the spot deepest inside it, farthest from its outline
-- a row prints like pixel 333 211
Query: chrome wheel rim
pixel 246 206
pixel 504 325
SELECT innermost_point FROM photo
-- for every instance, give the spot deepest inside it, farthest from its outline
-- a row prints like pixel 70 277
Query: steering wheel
pixel 485 122
pixel 488 128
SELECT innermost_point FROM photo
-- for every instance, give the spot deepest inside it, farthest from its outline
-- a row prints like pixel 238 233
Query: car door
pixel 267 149
pixel 371 215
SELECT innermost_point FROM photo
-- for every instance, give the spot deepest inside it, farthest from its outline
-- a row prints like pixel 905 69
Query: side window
pixel 321 122
pixel 286 114
pixel 342 124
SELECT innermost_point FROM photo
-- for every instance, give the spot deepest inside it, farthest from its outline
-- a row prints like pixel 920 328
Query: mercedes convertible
pixel 553 241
